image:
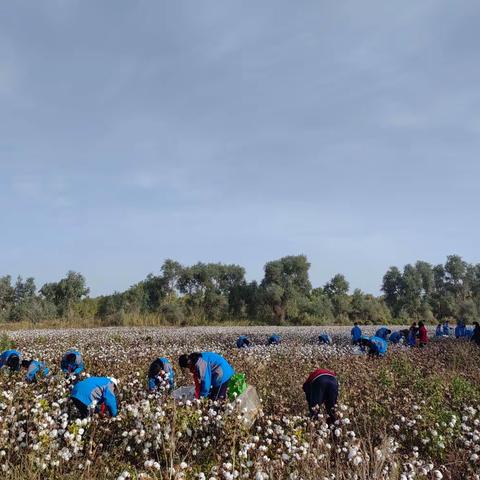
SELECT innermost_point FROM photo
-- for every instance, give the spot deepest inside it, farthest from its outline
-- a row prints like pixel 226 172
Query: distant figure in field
pixel 11 359
pixel 243 341
pixel 439 330
pixel 325 339
pixel 95 394
pixel 446 328
pixel 422 334
pixel 460 329
pixel 274 340
pixel 395 337
pixel 321 388
pixel 72 363
pixel 377 347
pixel 34 369
pixel 476 333
pixel 211 373
pixel 383 332
pixel 161 375
pixel 356 333
pixel 412 335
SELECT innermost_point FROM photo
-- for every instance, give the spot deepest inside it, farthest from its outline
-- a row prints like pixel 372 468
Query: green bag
pixel 237 386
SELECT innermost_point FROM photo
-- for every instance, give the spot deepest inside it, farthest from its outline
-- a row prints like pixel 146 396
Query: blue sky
pixel 239 132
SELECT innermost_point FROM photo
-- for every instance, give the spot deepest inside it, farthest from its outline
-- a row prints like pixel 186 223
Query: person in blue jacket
pixel 95 394
pixel 211 373
pixel 243 341
pixel 11 359
pixel 446 328
pixel 161 375
pixel 356 333
pixel 274 340
pixel 325 339
pixel 377 347
pixel 34 370
pixel 72 363
pixel 460 329
pixel 439 331
pixel 383 332
pixel 395 337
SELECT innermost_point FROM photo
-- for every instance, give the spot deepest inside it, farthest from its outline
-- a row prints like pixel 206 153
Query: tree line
pixel 215 293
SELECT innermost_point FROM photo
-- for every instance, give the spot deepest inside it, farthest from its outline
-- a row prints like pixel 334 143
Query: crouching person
pixel 324 339
pixel 243 342
pixel 11 359
pixel 211 373
pixel 95 394
pixel 34 369
pixel 72 363
pixel 161 376
pixel 377 347
pixel 321 388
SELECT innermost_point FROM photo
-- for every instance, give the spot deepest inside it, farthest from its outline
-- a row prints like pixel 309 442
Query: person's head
pixel 388 331
pixel 187 361
pixel 155 368
pixel 365 342
pixel 414 324
pixel 114 382
pixel 13 362
pixel 476 324
pixel 71 358
pixel 421 324
pixel 355 324
pixel 26 363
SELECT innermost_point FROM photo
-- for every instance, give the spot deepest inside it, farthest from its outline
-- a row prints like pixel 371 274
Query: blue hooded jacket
pixel 34 369
pixel 74 368
pixel 274 340
pixel 379 345
pixel 96 391
pixel 446 328
pixel 211 370
pixel 382 333
pixel 395 337
pixel 154 383
pixel 7 354
pixel 460 330
pixel 438 331
pixel 243 342
pixel 325 338
pixel 356 333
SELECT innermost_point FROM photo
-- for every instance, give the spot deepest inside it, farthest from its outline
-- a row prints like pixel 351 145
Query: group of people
pixel 211 372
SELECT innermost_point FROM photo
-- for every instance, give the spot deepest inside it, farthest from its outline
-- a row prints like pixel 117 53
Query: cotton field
pixel 413 414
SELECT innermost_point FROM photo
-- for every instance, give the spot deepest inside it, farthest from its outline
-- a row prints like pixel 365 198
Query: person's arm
pixel 111 402
pixel 204 376
pixel 32 373
pixel 151 384
pixel 79 369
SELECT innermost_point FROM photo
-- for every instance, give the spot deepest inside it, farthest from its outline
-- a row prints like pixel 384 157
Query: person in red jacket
pixel 422 334
pixel 321 387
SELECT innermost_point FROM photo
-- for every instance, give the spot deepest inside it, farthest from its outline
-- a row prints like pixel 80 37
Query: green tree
pixel 286 285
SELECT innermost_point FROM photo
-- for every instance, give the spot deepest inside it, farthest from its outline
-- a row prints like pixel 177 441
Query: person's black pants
pixel 323 391
pixel 81 407
pixel 219 393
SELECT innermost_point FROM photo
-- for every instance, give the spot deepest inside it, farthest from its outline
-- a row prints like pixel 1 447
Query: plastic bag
pixel 237 386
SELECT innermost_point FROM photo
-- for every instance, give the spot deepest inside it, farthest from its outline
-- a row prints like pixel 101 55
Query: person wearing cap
pixel 211 374
pixel 34 369
pixel 72 363
pixel 11 359
pixel 95 394
pixel 383 332
pixel 324 339
pixel 243 342
pixel 377 347
pixel 274 340
pixel 321 388
pixel 356 333
pixel 161 376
